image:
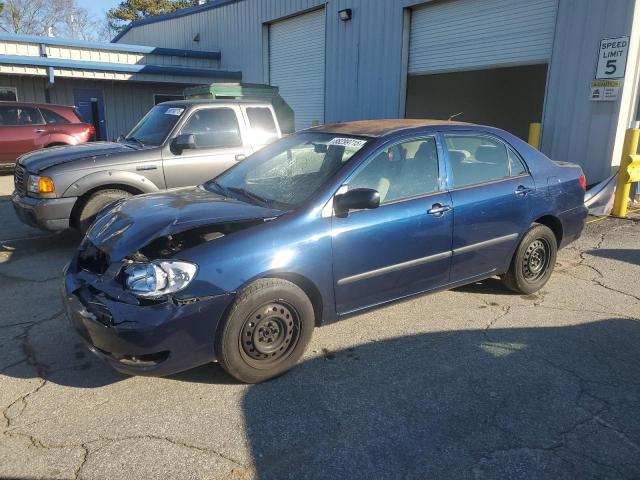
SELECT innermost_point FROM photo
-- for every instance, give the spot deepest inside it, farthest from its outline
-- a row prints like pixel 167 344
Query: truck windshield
pixel 286 173
pixel 156 125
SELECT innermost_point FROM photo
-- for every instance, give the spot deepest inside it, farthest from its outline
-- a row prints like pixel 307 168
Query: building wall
pixel 125 102
pixel 365 74
pixel 575 128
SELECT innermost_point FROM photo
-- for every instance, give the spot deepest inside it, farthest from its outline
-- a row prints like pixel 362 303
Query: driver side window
pixel 214 128
pixel 404 170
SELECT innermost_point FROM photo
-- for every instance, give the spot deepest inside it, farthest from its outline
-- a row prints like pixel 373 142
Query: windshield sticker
pixel 347 142
pixel 174 111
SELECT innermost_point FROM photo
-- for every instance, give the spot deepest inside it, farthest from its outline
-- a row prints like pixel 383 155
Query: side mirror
pixel 186 141
pixel 356 199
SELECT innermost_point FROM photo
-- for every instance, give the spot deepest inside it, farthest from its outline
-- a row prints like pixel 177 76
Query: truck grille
pixel 19 179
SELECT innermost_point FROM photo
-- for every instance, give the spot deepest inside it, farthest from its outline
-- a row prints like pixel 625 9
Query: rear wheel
pixel 533 262
pixel 96 202
pixel 266 330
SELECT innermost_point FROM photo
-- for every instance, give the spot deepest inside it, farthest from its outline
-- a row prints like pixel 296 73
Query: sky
pixel 97 8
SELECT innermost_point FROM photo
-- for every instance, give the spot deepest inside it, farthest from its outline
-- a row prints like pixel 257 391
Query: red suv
pixel 30 126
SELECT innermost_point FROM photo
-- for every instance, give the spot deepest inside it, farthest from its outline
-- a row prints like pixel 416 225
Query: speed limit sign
pixel 612 58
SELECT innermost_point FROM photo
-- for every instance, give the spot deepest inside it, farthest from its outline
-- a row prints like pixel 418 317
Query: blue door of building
pixel 90 104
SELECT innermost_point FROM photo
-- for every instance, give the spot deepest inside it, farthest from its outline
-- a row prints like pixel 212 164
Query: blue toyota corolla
pixel 320 225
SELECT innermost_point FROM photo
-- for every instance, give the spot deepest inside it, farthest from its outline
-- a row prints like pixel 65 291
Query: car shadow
pixel 558 403
pixel 629 255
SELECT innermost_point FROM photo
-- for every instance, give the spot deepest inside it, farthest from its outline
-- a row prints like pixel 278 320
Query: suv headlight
pixel 158 278
pixel 37 184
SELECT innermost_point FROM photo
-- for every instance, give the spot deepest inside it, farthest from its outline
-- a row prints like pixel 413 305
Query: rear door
pixel 22 129
pixel 490 190
pixel 220 144
pixel 403 246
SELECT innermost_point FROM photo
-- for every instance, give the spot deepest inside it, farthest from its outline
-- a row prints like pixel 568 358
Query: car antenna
pixel 454 116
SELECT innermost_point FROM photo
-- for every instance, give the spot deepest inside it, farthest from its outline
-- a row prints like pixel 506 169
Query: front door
pixel 490 190
pixel 22 129
pixel 403 246
pixel 90 104
pixel 219 146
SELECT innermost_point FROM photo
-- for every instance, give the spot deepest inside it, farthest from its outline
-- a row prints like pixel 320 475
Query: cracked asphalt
pixel 471 383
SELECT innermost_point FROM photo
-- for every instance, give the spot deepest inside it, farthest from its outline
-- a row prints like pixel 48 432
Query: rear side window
pixel 214 128
pixel 52 118
pixel 515 164
pixel 17 116
pixel 477 159
pixel 263 125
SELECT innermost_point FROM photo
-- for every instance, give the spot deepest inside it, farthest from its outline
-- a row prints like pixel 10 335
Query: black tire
pixel 533 262
pixel 266 331
pixel 96 202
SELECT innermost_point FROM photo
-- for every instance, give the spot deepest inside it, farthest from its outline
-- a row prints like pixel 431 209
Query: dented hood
pixel 129 225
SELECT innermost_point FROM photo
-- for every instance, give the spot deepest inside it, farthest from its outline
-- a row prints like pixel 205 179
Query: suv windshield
pixel 286 173
pixel 156 125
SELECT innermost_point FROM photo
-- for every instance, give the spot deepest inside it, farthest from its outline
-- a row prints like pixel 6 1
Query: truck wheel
pixel 96 202
pixel 533 262
pixel 266 331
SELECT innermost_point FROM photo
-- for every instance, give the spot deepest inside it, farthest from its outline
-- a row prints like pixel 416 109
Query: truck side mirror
pixel 186 141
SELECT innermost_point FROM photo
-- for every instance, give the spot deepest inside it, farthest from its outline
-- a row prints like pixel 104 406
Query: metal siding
pixel 296 65
pixel 473 34
pixel 574 128
pixel 30 89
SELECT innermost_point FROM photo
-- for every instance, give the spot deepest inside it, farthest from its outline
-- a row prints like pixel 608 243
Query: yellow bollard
pixel 534 135
pixel 623 186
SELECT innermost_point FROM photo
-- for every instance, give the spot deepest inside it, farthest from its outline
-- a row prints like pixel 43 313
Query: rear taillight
pixel 89 130
pixel 583 182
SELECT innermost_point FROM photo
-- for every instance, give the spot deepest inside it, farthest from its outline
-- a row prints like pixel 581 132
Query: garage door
pixel 455 35
pixel 296 65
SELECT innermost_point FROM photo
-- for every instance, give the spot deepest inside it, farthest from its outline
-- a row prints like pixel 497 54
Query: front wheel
pixel 266 330
pixel 533 262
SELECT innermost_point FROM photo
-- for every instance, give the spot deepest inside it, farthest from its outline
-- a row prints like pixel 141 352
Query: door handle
pixel 438 210
pixel 39 130
pixel 240 157
pixel 522 191
pixel 143 168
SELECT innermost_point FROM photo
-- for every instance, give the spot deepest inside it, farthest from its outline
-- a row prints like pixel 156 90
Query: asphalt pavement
pixel 471 383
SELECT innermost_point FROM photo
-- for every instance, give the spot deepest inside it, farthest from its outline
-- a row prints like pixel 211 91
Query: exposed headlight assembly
pixel 158 278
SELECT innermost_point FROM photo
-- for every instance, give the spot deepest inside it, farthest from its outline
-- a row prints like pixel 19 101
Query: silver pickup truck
pixel 176 144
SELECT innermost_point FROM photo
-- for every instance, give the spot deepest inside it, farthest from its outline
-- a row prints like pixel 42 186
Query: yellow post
pixel 534 135
pixel 623 186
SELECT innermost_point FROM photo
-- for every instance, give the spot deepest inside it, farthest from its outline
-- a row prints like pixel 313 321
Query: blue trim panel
pixel 120 47
pixel 176 14
pixel 118 67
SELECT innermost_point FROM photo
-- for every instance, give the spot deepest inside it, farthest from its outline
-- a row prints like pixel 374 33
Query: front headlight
pixel 158 278
pixel 37 184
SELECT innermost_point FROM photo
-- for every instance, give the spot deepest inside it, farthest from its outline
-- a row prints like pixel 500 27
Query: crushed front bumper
pixel 51 214
pixel 155 339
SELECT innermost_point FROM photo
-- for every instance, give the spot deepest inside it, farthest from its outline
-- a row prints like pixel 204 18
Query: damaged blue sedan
pixel 315 227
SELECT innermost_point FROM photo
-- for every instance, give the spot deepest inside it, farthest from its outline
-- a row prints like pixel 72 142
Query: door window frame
pixel 449 177
pixel 43 122
pixel 178 130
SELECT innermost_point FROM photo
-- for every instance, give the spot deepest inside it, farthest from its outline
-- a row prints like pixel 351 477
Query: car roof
pixel 380 128
pixel 211 101
pixel 34 104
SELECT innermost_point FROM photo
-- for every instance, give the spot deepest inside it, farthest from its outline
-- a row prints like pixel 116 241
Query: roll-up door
pixel 297 65
pixel 454 35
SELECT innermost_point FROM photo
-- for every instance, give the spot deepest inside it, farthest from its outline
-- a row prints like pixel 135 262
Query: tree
pixel 46 17
pixel 130 10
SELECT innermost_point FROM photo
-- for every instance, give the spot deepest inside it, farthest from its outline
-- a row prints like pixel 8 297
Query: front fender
pixel 110 177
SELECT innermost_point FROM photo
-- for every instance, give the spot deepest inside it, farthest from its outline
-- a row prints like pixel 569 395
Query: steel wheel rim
pixel 270 334
pixel 535 262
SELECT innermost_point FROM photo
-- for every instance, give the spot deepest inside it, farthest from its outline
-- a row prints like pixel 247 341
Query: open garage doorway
pixel 508 98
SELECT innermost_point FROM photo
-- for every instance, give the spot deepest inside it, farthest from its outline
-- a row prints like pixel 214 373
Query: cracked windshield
pixel 287 173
